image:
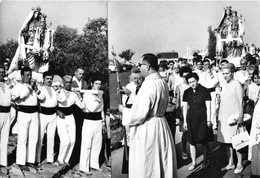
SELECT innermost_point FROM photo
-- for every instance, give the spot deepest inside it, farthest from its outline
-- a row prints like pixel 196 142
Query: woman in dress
pixel 231 95
pixel 196 116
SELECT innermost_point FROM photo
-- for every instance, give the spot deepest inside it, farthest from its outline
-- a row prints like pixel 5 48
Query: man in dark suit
pixel 77 82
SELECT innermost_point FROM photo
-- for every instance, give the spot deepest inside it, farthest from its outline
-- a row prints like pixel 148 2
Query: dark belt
pixel 92 116
pixel 28 109
pixel 212 89
pixel 65 110
pixel 5 109
pixel 128 105
pixel 48 111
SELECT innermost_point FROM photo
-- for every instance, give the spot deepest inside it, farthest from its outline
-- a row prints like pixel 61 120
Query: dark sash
pixel 92 116
pixel 28 109
pixel 5 109
pixel 48 111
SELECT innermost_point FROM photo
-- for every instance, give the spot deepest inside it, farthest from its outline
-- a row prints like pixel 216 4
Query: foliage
pixel 211 43
pixel 72 50
pixel 127 54
pixel 7 50
pixel 88 50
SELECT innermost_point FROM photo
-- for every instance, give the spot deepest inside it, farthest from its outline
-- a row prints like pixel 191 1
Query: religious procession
pixel 204 104
pixel 58 124
pixel 63 115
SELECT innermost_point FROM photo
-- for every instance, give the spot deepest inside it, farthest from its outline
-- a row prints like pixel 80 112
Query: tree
pixel 127 54
pixel 7 50
pixel 211 43
pixel 88 50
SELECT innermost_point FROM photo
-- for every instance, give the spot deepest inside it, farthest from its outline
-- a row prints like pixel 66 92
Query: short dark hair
pixel 96 78
pixel 185 69
pixel 198 60
pixel 152 60
pixel 135 69
pixel 47 73
pixel 25 69
pixel 205 60
pixel 180 59
pixel 223 61
pixel 171 62
pixel 192 75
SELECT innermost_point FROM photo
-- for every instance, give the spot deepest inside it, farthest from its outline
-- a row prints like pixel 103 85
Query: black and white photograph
pixel 207 54
pixel 54 89
pixel 129 89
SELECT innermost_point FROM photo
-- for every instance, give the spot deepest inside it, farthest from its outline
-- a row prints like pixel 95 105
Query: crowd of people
pixel 69 105
pixel 200 96
pixel 159 97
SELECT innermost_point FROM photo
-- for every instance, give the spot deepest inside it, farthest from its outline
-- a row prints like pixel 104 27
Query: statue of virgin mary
pixel 35 41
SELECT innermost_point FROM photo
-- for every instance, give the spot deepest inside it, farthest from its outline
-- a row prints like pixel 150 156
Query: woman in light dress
pixel 231 99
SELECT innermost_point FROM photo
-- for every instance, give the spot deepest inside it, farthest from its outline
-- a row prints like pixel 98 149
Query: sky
pixel 154 26
pixel 165 26
pixel 74 14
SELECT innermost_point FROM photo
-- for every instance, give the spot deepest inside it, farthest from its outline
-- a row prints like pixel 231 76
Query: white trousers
pixel 67 133
pixel 28 128
pixel 48 124
pixel 4 136
pixel 91 144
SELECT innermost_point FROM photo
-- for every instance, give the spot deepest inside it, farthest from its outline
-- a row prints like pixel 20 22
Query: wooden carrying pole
pixel 120 99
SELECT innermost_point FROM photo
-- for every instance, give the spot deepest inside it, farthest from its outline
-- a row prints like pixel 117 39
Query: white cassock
pixel 152 151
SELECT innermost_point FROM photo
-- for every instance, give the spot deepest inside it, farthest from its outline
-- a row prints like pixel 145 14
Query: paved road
pixel 218 159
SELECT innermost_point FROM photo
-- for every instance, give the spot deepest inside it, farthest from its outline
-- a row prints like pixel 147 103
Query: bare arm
pixel 185 111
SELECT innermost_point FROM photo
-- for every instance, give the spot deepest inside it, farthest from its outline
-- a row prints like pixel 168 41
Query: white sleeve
pixel 61 96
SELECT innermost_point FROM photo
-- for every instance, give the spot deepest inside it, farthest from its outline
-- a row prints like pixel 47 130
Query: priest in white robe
pixel 152 153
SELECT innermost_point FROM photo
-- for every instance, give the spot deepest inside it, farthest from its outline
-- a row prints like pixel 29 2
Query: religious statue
pixel 35 42
pixel 229 35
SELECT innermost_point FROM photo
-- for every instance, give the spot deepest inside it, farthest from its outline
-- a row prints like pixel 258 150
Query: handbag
pixel 240 139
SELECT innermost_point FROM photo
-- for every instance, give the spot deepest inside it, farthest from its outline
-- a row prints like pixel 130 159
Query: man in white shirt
pixel 94 123
pixel 152 151
pixel 48 109
pixel 66 122
pixel 174 79
pixel 26 96
pixel 209 80
pixel 77 82
pixel 199 67
pixel 5 106
pixel 242 74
